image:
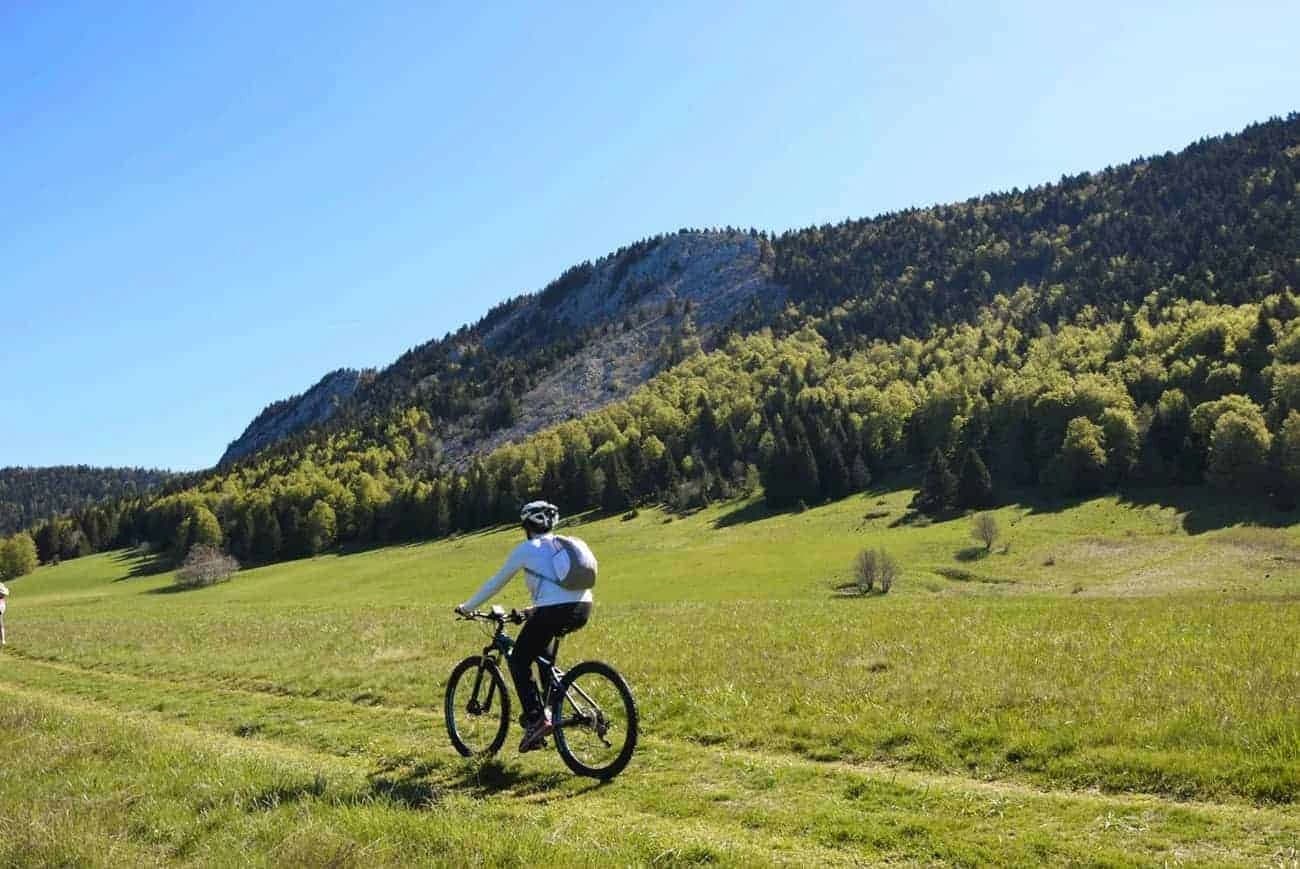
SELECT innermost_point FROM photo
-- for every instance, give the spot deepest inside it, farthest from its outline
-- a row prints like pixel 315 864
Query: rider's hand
pixel 461 611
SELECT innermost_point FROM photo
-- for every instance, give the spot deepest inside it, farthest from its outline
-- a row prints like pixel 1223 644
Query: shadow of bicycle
pixel 425 784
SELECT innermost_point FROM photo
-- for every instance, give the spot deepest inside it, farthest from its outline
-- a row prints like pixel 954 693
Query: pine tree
pixel 806 479
pixel 859 474
pixel 667 474
pixel 975 487
pixel 616 495
pixel 834 473
pixel 441 510
pixel 48 541
pixel 266 533
pixel 775 473
pixel 939 488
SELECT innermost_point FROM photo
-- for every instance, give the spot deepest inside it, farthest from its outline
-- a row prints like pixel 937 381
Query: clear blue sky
pixel 204 210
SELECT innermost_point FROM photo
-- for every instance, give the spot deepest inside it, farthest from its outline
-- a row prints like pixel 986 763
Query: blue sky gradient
pixel 206 209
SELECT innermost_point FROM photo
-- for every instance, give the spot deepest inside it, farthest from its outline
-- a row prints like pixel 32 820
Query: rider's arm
pixel 512 566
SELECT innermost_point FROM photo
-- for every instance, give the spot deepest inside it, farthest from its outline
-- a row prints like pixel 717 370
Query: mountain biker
pixel 556 611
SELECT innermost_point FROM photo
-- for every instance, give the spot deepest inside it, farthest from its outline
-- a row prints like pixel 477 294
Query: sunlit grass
pixel 1098 646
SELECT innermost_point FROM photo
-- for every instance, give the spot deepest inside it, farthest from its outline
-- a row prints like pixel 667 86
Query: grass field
pixel 1117 687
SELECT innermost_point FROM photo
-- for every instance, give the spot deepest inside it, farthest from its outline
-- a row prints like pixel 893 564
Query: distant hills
pixel 28 495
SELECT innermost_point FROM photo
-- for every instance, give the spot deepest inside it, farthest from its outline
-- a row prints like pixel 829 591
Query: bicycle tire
pixel 561 734
pixel 498 696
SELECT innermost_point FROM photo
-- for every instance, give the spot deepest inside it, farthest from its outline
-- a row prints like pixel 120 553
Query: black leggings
pixel 541 636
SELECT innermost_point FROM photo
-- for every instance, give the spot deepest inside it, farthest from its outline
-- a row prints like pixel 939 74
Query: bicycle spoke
pixel 477 710
pixel 596 731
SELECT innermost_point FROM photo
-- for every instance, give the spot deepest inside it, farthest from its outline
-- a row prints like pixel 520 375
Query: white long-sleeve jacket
pixel 534 557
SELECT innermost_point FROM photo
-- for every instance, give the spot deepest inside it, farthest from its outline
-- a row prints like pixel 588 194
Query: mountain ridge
pixel 604 324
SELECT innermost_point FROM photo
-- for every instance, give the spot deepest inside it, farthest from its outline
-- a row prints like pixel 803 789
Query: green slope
pixel 1111 689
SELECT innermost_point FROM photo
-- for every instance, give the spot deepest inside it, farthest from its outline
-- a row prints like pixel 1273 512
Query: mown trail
pixel 679 802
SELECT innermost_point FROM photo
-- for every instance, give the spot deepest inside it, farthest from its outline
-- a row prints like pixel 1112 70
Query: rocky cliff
pixel 293 414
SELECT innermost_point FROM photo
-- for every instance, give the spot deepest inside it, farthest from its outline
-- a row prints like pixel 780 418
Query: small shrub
pixel 205 565
pixel 984 529
pixel 875 568
pixel 631 514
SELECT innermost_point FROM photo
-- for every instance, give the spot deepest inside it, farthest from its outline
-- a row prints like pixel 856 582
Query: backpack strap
pixel 554 552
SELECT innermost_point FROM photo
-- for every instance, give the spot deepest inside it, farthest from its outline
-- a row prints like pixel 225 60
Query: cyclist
pixel 556 611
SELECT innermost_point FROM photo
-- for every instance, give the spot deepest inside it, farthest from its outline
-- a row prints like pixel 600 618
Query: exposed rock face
pixel 634 302
pixel 718 273
pixel 283 418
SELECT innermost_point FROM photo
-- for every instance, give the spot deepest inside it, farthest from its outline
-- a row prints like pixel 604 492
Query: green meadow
pixel 1114 683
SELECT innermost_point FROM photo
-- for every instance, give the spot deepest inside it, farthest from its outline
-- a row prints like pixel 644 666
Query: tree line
pixel 28 495
pixel 1189 393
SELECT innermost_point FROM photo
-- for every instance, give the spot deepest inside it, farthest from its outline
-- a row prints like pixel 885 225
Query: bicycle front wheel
pixel 477 707
pixel 595 720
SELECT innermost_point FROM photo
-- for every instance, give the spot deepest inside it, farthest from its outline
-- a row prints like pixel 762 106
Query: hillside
pixel 1060 701
pixel 1137 327
pixel 28 495
pixel 588 338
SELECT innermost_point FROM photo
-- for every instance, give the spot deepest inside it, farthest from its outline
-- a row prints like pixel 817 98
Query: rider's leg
pixel 536 635
pixel 546 626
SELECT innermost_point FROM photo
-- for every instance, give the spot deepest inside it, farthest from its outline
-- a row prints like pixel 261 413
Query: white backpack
pixel 574 564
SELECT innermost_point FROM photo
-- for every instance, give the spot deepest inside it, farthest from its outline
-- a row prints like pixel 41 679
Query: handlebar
pixel 514 617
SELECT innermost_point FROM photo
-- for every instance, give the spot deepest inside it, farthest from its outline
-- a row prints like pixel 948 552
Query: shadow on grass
pixel 423 785
pixel 1200 508
pixel 172 589
pixel 139 563
pixel 420 786
pixel 1204 509
pixel 853 591
pixel 754 511
pixel 757 509
pixel 971 553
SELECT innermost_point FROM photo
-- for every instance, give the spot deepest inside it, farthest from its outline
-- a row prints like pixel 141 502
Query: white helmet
pixel 539 516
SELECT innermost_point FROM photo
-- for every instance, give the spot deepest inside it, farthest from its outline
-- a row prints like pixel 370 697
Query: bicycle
pixel 591 705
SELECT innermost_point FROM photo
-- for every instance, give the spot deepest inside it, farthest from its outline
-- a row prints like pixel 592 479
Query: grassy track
pixel 1110 690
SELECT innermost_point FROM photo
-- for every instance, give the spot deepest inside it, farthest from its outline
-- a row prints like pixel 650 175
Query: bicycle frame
pixel 501 647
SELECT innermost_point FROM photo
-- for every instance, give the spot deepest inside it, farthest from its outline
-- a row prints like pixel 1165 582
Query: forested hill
pixel 31 494
pixel 1216 222
pixel 1137 326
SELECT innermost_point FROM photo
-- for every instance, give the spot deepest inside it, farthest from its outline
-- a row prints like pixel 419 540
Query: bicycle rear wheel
pixel 595 720
pixel 477 707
